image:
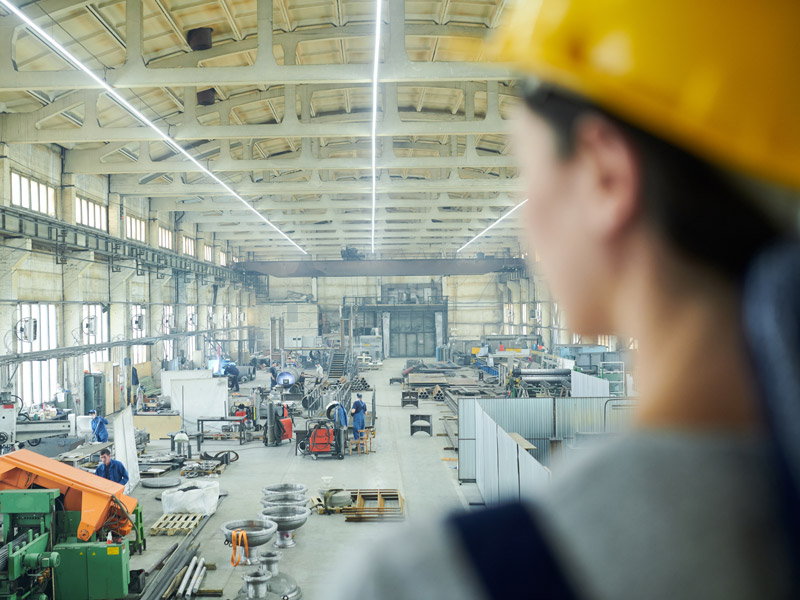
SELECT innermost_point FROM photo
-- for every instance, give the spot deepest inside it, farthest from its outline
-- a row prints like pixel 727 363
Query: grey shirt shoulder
pixel 670 515
pixel 650 516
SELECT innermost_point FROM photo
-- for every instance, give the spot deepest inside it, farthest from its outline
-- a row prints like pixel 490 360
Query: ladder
pixel 336 369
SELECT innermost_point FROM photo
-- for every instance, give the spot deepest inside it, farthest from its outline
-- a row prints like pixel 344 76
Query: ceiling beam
pixel 135 74
pixel 266 203
pixel 315 185
pixel 127 77
pixel 20 129
pixel 293 38
pixel 368 268
pixel 229 164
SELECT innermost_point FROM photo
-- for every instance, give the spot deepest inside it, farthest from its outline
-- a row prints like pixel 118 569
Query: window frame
pixel 38 380
pixel 22 196
pixel 91 213
pixel 135 229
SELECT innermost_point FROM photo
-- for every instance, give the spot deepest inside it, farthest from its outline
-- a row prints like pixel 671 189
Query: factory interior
pixel 268 303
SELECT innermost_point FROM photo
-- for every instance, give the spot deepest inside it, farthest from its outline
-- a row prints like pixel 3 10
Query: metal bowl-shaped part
pixel 284 500
pixel 285 488
pixel 259 531
pixel 288 518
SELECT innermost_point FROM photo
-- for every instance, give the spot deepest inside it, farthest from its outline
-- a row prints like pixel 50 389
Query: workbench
pixel 158 425
pixel 82 453
pixel 201 427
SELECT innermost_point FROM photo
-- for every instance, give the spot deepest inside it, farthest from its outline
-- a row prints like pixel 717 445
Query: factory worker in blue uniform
pixel 99 432
pixel 110 468
pixel 232 373
pixel 359 412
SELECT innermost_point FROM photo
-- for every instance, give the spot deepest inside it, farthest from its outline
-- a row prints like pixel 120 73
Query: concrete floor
pixel 412 465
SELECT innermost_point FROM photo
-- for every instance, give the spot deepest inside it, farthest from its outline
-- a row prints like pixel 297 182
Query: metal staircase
pixel 337 366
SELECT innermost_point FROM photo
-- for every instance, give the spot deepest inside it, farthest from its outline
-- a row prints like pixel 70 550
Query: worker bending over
pixel 232 373
pixel 110 468
pixel 99 432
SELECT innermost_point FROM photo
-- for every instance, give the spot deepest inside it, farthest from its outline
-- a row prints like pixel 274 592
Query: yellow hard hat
pixel 720 78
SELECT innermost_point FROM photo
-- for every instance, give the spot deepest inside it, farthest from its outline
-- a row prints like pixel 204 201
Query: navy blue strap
pixel 771 307
pixel 509 554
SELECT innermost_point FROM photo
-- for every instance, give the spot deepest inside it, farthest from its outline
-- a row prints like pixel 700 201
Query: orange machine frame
pixel 82 491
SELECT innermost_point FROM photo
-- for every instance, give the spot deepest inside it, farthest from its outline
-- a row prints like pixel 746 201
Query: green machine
pixel 27 557
pixel 42 558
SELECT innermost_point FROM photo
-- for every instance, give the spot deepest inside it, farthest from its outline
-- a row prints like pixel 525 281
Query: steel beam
pixel 291 39
pixel 135 73
pixel 91 161
pixel 67 351
pixel 349 235
pixel 267 204
pixel 51 232
pixel 315 185
pixel 373 268
pixel 43 12
pixel 16 129
pixel 227 164
pixel 264 69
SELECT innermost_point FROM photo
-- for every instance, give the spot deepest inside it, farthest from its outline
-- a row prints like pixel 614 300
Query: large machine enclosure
pixel 92 570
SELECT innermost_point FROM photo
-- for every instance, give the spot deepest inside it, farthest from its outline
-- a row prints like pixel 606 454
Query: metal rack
pixel 68 351
pixel 63 237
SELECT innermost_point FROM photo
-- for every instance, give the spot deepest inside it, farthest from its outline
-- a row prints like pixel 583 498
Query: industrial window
pixel 236 259
pixel 134 229
pixel 508 319
pixel 191 325
pixel 94 330
pixel 37 380
pixel 223 259
pixel 208 252
pixel 211 319
pixel 138 331
pixel 164 238
pixel 167 314
pixel 91 214
pixel 34 195
pixel 188 246
pixel 576 338
pixel 603 340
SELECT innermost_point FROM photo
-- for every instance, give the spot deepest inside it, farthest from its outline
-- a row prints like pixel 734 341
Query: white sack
pixel 202 500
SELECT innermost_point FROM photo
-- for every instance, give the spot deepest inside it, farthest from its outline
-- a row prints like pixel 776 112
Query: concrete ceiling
pixel 290 128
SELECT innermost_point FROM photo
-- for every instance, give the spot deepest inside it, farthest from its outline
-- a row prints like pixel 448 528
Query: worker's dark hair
pixel 105 451
pixel 696 206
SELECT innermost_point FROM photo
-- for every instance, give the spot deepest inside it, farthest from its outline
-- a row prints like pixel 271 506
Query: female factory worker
pixel 653 139
pixel 359 412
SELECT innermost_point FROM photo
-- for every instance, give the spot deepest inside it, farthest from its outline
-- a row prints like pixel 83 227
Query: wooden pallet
pixel 176 523
pixel 375 505
pixel 369 505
